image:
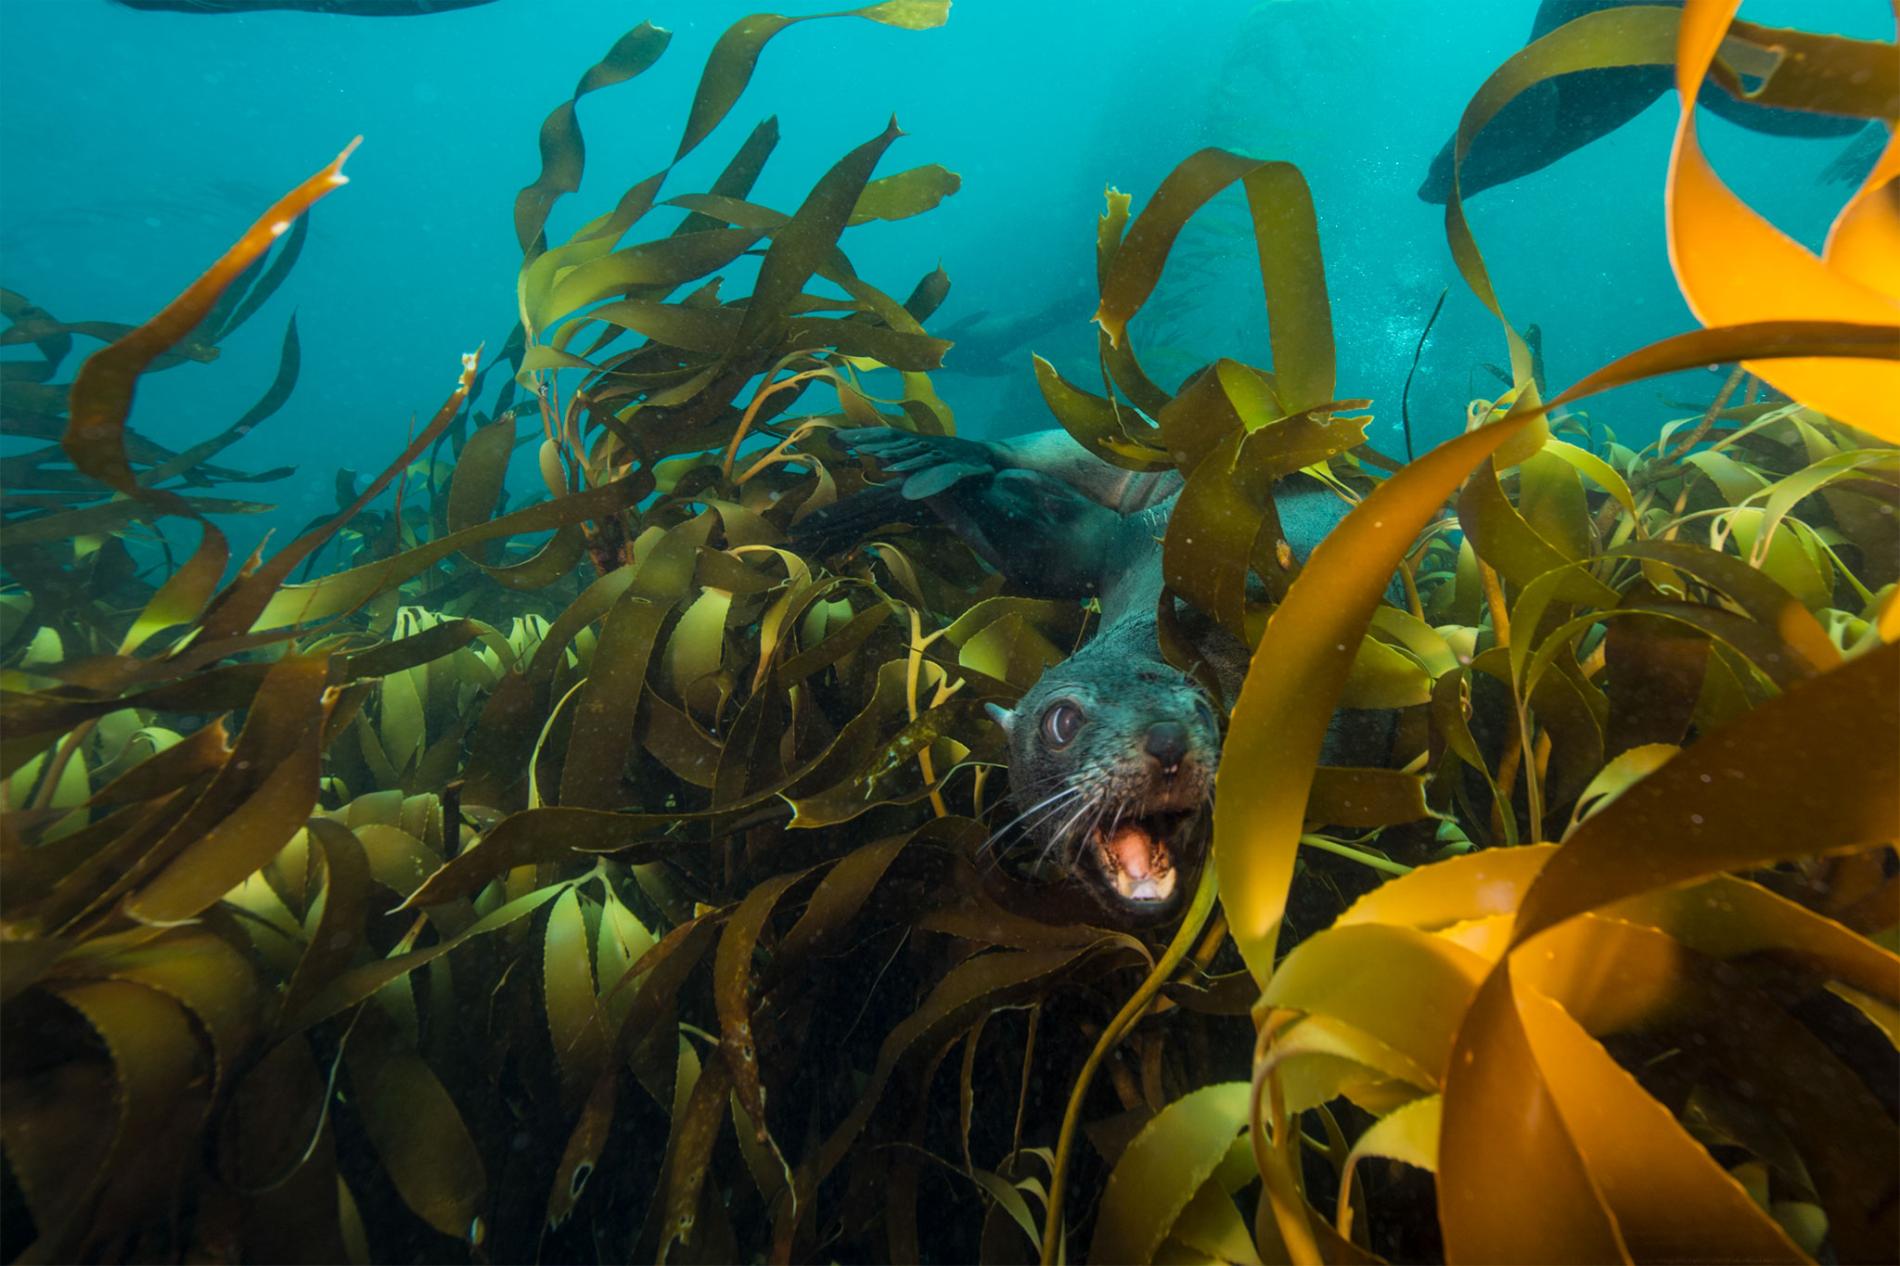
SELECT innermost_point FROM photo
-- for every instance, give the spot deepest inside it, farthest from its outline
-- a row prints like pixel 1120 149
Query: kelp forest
pixel 602 875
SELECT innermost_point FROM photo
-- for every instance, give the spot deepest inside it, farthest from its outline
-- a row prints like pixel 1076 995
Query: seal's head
pixel 1112 761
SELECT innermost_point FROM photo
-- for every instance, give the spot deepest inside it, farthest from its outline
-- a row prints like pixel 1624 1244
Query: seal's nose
pixel 1168 744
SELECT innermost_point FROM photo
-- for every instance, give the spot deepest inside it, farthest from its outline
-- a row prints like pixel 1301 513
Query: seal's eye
pixel 1206 711
pixel 1060 724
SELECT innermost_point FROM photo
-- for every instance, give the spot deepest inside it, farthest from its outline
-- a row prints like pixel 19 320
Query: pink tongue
pixel 1130 850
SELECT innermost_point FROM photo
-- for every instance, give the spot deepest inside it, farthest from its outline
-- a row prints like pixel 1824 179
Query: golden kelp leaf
pixel 1802 70
pixel 257 801
pixel 153 1056
pixel 1493 1133
pixel 841 894
pixel 1520 553
pixel 359 983
pixel 732 995
pixel 562 154
pixel 603 718
pixel 218 326
pixel 1616 777
pixel 341 904
pixel 1725 917
pixel 1510 1112
pixel 481 472
pixel 533 837
pixel 928 294
pixel 346 590
pixel 1649 1170
pixel 1383 677
pixel 1094 421
pixel 417 1131
pixel 573 1014
pixel 1211 1225
pixel 1409 1135
pixel 1411 1004
pixel 433 643
pixel 101 399
pixel 804 244
pixel 662 264
pixel 695 1130
pixel 1010 650
pixel 1865 237
pixel 1160 1171
pixel 201 970
pixel 1280 719
pixel 1814 761
pixel 592 240
pixel 1710 229
pixel 904 194
pixel 730 64
pixel 1827 773
pixel 1286 236
pixel 102 390
pixel 1208 550
pixel 1203 416
pixel 697 647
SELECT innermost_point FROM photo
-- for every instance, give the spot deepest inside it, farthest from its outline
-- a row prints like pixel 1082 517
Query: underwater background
pixel 134 145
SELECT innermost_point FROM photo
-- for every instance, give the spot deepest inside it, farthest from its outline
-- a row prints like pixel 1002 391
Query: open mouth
pixel 1140 859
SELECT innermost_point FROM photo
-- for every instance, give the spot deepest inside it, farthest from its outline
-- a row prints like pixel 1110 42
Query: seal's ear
pixel 1001 715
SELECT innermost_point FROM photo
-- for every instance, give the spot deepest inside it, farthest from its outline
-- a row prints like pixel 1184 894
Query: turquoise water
pixel 134 146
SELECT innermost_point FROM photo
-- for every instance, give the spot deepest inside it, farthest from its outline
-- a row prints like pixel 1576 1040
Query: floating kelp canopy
pixel 623 895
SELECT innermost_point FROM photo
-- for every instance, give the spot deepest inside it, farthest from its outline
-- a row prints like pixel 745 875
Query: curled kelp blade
pixel 102 395
pixel 1709 228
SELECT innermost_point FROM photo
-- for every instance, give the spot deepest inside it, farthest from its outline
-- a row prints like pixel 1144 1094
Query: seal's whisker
pixel 1067 793
pixel 1064 832
pixel 1026 791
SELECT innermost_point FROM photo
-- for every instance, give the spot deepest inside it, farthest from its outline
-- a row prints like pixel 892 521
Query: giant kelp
pixel 621 892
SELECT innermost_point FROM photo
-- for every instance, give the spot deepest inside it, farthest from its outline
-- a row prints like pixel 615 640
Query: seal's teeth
pixel 1157 887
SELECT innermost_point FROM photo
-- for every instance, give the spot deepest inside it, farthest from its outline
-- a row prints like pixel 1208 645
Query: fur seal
pixel 988 345
pixel 1552 118
pixel 1113 751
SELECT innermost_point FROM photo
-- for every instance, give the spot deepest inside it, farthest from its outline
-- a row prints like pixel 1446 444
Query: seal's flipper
pixel 1035 528
pixel 930 464
pixel 906 451
pixel 844 524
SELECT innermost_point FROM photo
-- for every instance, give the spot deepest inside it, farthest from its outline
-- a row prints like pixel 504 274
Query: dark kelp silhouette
pixel 988 345
pixel 1570 111
pixel 341 8
pixel 601 878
